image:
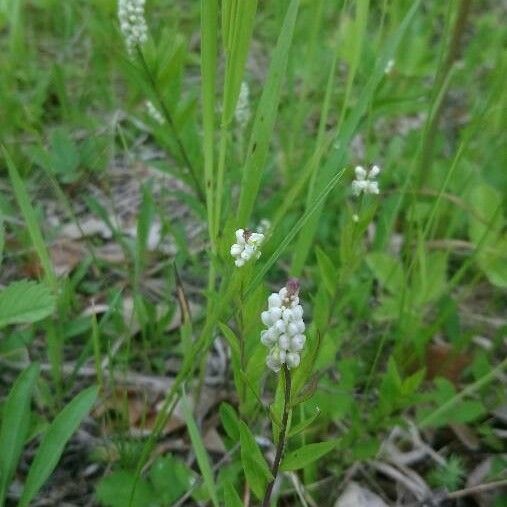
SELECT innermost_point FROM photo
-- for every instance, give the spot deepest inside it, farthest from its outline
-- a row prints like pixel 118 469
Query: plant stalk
pixel 281 438
pixel 169 118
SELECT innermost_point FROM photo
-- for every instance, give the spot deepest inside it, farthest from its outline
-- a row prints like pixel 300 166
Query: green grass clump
pixel 128 164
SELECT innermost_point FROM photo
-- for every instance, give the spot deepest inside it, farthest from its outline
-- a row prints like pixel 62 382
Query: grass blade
pixel 264 122
pixel 54 440
pixel 31 221
pixel 338 155
pixel 15 424
pixel 200 450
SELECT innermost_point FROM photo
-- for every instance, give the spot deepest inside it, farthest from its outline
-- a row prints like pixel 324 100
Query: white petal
pixel 293 328
pixel 236 249
pixel 360 172
pixel 279 325
pixel 297 312
pixel 240 236
pixel 274 300
pixel 374 172
pixel 266 318
pixel 275 313
pixel 293 360
pixel 239 262
pixel 287 315
pixel 283 341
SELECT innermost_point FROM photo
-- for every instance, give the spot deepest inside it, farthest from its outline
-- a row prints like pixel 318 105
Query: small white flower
pixel 365 181
pixel 132 22
pixel 154 112
pixel 247 246
pixel 285 327
pixel 242 112
pixel 292 359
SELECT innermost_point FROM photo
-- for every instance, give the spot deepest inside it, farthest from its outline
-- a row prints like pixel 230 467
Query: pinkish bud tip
pixel 292 286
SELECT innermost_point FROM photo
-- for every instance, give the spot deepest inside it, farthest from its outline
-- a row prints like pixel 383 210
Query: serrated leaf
pixel 305 455
pixel 54 440
pixel 25 301
pixel 257 472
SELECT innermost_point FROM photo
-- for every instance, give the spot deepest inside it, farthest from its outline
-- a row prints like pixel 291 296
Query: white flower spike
pixel 285 327
pixel 247 246
pixel 132 23
pixel 365 181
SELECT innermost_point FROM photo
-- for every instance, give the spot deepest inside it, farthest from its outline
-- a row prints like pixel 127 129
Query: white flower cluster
pixel 285 327
pixel 154 112
pixel 247 246
pixel 132 23
pixel 365 180
pixel 242 113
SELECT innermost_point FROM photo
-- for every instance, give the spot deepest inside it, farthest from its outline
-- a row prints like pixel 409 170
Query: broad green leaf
pixel 54 440
pixel 24 302
pixel 200 451
pixel 305 455
pixel 182 478
pixel 387 269
pixel 230 421
pixel 257 472
pixel 15 424
pixel 115 490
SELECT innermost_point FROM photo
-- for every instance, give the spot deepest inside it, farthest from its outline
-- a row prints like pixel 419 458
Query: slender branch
pixel 169 118
pixel 281 438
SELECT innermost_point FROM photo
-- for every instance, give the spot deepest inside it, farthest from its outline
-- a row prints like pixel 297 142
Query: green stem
pixel 441 83
pixel 169 118
pixel 281 438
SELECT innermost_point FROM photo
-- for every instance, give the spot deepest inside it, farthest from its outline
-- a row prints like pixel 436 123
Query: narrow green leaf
pixel 257 472
pixel 239 33
pixel 327 176
pixel 387 269
pixel 200 450
pixel 262 130
pixel 305 455
pixel 25 301
pixel 209 36
pixel 230 421
pixel 15 424
pixel 54 440
pixel 303 425
pixel 31 221
pixel 231 497
pixel 327 271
